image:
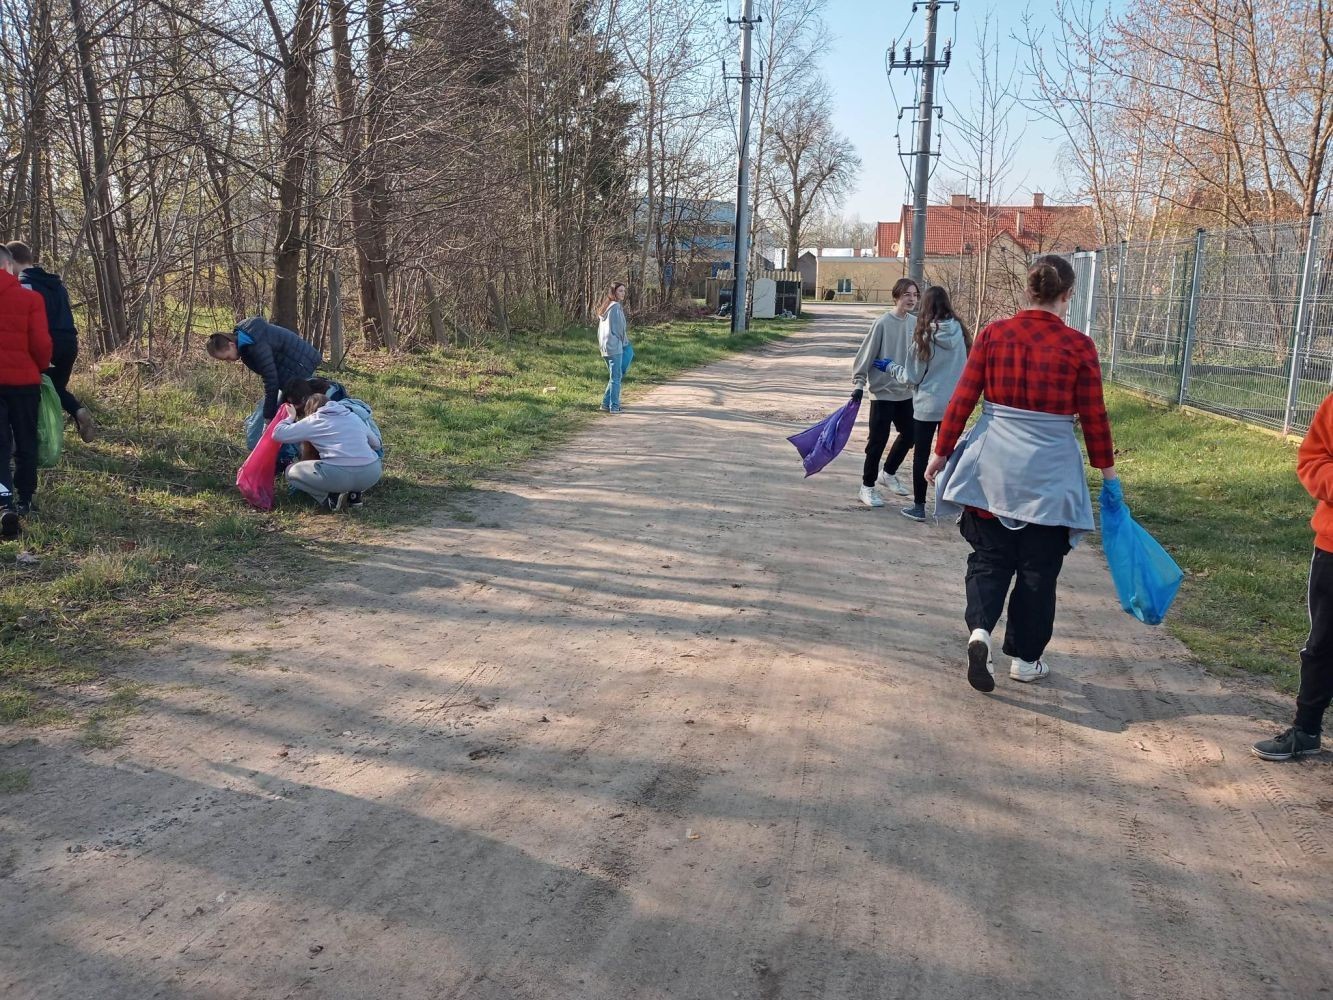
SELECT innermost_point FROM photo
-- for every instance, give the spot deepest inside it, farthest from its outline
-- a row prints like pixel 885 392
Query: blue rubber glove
pixel 882 364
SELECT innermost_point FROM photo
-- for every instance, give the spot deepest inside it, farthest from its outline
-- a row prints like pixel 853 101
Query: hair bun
pixel 1049 278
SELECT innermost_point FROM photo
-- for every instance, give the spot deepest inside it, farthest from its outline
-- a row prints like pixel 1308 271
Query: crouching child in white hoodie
pixel 347 463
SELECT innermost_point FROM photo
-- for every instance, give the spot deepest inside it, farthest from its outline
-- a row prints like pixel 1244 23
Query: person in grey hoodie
pixel 889 340
pixel 932 367
pixel 613 340
pixel 347 448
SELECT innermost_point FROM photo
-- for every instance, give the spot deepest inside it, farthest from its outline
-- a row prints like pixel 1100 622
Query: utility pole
pixel 741 260
pixel 925 114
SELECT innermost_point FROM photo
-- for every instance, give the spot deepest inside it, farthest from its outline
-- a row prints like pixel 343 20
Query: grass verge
pixel 144 527
pixel 1224 500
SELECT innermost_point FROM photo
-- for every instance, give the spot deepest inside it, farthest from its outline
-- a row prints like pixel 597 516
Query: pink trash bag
pixel 256 475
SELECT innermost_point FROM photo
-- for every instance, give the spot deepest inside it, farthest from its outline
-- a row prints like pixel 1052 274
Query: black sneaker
pixel 354 499
pixel 335 502
pixel 26 508
pixel 1286 745
pixel 9 524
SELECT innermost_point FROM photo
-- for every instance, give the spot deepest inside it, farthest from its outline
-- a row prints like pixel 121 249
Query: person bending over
pixel 272 352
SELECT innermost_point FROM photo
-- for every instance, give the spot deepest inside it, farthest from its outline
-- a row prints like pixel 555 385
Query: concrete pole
pixel 916 265
pixel 741 262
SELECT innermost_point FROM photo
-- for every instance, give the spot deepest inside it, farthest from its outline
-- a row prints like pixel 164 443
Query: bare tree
pixel 813 166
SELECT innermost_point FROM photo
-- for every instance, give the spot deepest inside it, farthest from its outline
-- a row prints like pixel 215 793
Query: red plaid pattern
pixel 1033 361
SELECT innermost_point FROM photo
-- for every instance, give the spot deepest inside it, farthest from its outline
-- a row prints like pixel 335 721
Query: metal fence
pixel 1239 322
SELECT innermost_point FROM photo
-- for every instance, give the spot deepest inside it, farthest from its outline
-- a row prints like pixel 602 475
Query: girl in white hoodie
pixel 613 340
pixel 933 368
pixel 348 463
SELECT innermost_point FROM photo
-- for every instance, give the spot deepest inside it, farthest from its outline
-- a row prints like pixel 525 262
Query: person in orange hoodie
pixel 1314 468
pixel 25 352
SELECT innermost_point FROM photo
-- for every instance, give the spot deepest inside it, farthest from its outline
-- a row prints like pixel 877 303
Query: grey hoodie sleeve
pixel 290 431
pixel 913 371
pixel 866 355
pixel 619 327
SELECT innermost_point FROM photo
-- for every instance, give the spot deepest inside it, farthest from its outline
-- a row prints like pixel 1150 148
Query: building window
pixel 844 286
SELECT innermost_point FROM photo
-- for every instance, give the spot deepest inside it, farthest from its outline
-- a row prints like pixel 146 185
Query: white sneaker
pixel 870 497
pixel 980 666
pixel 889 481
pixel 1022 670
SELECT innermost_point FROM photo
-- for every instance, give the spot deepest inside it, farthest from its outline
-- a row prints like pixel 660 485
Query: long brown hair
pixel 934 309
pixel 610 297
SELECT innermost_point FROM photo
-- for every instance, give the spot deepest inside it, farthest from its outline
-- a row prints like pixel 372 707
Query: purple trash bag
pixel 821 443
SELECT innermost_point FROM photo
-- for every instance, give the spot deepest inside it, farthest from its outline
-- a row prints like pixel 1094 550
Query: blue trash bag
pixel 1146 577
pixel 820 444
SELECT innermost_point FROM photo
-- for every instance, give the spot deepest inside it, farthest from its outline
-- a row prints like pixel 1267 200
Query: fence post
pixel 336 351
pixel 386 312
pixel 436 316
pixel 1115 309
pixel 1092 294
pixel 1298 330
pixel 1192 317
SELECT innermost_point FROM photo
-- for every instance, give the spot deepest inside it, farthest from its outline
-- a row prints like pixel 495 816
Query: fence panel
pixel 1153 298
pixel 1249 289
pixel 1315 372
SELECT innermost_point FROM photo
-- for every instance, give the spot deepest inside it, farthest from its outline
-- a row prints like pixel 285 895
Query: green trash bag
pixel 50 426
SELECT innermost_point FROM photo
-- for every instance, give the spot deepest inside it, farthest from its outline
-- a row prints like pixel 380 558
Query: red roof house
pixel 965 226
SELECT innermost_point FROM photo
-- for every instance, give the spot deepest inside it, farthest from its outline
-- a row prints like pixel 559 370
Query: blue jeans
pixel 618 365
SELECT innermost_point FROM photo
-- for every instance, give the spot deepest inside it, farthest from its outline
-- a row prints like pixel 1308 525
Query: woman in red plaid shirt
pixel 1037 375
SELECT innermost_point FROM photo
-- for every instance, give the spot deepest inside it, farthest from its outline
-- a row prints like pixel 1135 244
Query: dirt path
pixel 667 721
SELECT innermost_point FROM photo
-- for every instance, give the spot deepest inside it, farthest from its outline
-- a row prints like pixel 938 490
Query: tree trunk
pixel 298 82
pixel 111 286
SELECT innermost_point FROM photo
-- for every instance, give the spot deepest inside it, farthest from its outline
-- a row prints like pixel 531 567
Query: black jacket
pixel 277 356
pixel 59 316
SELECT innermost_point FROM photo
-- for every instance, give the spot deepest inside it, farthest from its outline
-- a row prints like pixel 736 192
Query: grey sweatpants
pixel 319 479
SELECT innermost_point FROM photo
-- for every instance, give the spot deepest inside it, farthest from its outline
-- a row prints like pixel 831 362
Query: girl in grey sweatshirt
pixel 932 367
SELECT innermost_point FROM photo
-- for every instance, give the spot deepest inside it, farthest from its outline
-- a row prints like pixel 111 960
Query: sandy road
pixel 665 720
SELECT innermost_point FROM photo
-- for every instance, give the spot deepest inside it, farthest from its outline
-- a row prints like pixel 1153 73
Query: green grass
pixel 1225 501
pixel 14 779
pixel 144 527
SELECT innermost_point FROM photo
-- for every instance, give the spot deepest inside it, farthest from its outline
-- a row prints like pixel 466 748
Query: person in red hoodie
pixel 25 352
pixel 1314 468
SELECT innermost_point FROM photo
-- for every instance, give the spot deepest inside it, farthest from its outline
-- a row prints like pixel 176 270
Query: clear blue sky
pixel 862 31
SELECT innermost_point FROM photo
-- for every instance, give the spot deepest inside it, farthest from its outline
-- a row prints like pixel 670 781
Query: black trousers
pixel 63 355
pixel 1316 690
pixel 1031 559
pixel 18 423
pixel 923 436
pixel 885 415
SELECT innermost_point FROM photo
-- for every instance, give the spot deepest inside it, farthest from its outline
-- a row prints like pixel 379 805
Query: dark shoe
pixel 980 672
pixel 916 512
pixel 334 502
pixel 84 421
pixel 1286 745
pixel 26 508
pixel 9 524
pixel 354 499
